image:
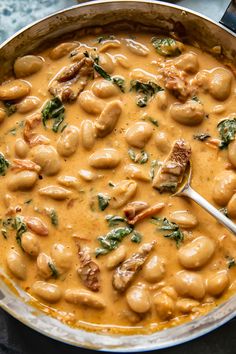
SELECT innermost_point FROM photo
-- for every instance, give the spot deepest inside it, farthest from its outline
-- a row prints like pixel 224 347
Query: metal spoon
pixel 186 190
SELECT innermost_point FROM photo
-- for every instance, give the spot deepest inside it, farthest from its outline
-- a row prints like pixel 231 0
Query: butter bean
pixel 184 219
pixel 196 253
pixel 68 181
pixel 164 305
pixel 2 115
pixel 135 172
pixel 14 90
pixel 62 257
pixel 162 142
pixel 105 89
pixel 162 101
pixel 21 148
pixel 47 157
pixel 55 192
pixel 23 180
pixel 90 103
pixel 116 257
pixel 106 62
pixel 62 50
pixel 47 291
pixel 123 61
pixel 30 244
pixel 220 83
pixel 16 264
pixel 139 134
pixel 231 207
pixel 186 305
pixel 105 159
pixel 87 175
pixel 87 132
pixel 138 299
pixel 28 104
pixel 190 113
pixel 36 225
pixel 107 120
pixel 27 65
pixel 84 297
pixel 232 153
pixel 122 193
pixel 224 187
pixel 154 269
pixel 68 142
pixel 187 62
pixel 189 284
pixel 137 48
pixel 43 262
pixel 218 283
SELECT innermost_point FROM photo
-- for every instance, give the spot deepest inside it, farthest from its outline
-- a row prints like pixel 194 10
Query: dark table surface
pixel 15 338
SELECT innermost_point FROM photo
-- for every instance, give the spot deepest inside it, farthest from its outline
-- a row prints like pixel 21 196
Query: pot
pixel 160 17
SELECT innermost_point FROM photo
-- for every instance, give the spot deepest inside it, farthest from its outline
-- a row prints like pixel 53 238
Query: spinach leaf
pixel 201 136
pixel 112 240
pixel 54 110
pixel 153 121
pixel 227 130
pixel 136 237
pixel 17 224
pixel 103 201
pixel 230 262
pixel 165 225
pixel 118 81
pixel 10 108
pixel 154 163
pixel 140 158
pixel 105 38
pixel 114 220
pixel 167 47
pixel 145 91
pixel 101 72
pixel 54 270
pixel 4 164
pixel 54 217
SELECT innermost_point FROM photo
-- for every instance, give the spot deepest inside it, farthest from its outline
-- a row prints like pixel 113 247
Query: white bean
pixel 154 269
pixel 218 283
pixel 107 120
pixel 43 265
pixel 162 142
pixel 23 180
pixel 84 297
pixel 232 153
pixel 90 103
pixel 190 113
pixel 105 159
pixel 28 104
pixel 164 305
pixel 16 264
pixel 107 63
pixel 224 187
pixel 14 90
pixel 138 299
pixel 116 257
pixel 36 225
pixel 62 50
pixel 139 134
pixel 55 192
pixel 68 142
pixel 162 100
pixel 122 193
pixel 189 284
pixel 30 244
pixel 184 219
pixel 21 148
pixel 105 89
pixel 62 256
pixel 187 62
pixel 47 157
pixel 220 83
pixel 87 132
pixel 47 291
pixel 135 172
pixel 27 65
pixel 186 305
pixel 137 48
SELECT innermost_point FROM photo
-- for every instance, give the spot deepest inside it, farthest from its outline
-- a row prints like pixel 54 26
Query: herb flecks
pixel 53 110
pixel 154 163
pixel 227 131
pixel 103 201
pixel 17 223
pixel 165 225
pixel 112 240
pixel 55 273
pixel 139 158
pixel 4 164
pixel 9 107
pixel 201 136
pixel 145 91
pixel 153 121
pixel 136 237
pixel 54 217
pixel 231 262
pixel 114 220
pixel 167 47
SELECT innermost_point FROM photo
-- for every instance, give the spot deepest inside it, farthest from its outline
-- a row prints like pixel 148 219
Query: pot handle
pixel 229 17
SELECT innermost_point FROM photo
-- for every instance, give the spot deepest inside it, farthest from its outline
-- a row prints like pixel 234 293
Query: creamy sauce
pixel 154 297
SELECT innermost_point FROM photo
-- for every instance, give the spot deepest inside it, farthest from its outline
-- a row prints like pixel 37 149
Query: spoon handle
pixel 229 224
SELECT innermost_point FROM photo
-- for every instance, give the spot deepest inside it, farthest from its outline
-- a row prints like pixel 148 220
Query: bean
pixel 122 193
pixel 27 65
pixel 87 175
pixel 224 187
pixel 28 104
pixel 187 62
pixel 21 148
pixel 105 89
pixel 196 253
pixel 62 256
pixel 68 181
pixel 231 207
pixel 189 284
pixel 220 83
pixel 62 50
pixel 47 291
pixel 90 103
pixel 47 157
pixel 84 297
pixel 87 132
pixel 116 257
pixel 162 101
pixel 2 115
pixel 16 264
pixel 190 113
pixel 218 283
pixel 106 62
pixel 36 225
pixel 184 219
pixel 105 159
pixel 139 134
pixel 68 142
pixel 135 172
pixel 162 142
pixel 55 192
pixel 43 262
pixel 170 291
pixel 21 181
pixel 137 48
pixel 107 120
pixel 109 44
pixel 154 269
pixel 123 61
pixel 14 90
pixel 232 153
pixel 138 299
pixel 30 244
pixel 186 305
pixel 164 305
